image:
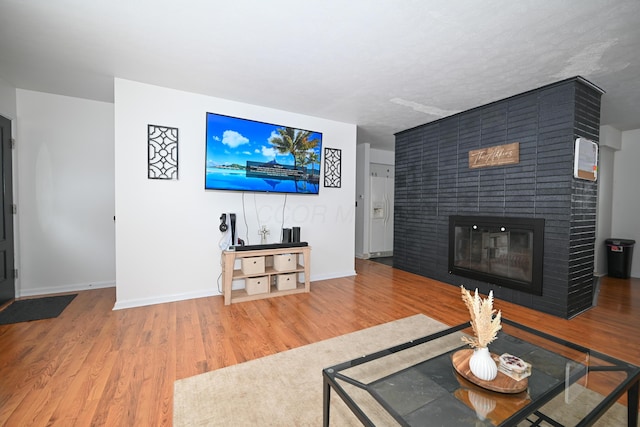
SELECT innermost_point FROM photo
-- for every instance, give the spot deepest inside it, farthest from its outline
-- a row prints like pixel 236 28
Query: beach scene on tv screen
pixel 247 155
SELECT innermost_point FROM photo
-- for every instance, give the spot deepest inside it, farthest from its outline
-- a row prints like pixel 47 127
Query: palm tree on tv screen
pixel 297 143
pixel 306 159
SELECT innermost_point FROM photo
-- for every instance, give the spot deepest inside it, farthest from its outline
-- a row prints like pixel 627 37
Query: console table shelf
pixel 230 273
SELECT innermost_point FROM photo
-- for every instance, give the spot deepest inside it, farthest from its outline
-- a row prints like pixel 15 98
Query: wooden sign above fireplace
pixel 498 155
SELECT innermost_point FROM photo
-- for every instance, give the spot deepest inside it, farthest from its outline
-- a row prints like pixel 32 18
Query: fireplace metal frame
pixel 536 225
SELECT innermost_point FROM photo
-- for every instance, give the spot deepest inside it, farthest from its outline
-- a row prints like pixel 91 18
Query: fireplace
pixel 501 251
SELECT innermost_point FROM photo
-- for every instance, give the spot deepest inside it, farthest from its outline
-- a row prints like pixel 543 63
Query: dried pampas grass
pixel 485 325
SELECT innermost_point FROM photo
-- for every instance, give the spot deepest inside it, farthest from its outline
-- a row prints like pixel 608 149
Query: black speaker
pixel 232 218
pixel 223 223
pixel 286 235
pixel 295 236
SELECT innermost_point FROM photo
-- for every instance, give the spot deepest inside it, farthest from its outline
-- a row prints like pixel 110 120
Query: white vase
pixel 482 365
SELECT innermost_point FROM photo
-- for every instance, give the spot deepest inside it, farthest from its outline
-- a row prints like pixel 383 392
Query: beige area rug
pixel 285 389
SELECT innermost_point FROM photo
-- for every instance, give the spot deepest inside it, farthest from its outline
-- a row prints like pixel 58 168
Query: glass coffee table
pixel 415 384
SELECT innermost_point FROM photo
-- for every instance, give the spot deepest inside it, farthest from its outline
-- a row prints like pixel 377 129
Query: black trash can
pixel 619 256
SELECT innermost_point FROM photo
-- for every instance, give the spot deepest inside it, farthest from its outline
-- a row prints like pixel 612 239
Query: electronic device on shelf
pixel 268 246
pixel 228 229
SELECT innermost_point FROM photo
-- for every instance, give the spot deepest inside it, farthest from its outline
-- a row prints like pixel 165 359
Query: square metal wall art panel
pixel 332 167
pixel 163 152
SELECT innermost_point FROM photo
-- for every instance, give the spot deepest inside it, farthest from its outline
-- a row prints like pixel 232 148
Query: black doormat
pixel 27 310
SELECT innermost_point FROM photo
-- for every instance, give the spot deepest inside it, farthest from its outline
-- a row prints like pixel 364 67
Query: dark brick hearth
pixel 433 181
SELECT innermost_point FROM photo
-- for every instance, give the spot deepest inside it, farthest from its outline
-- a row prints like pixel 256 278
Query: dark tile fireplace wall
pixel 433 181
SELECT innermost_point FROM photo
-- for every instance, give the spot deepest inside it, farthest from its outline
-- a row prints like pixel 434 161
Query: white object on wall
pixel 184 261
pixel 381 183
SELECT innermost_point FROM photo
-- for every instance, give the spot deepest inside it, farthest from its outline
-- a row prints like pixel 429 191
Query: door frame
pixel 6 144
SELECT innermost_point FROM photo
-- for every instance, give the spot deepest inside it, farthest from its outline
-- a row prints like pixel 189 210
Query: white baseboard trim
pixel 381 254
pixel 63 288
pixel 332 276
pixel 140 302
pixel 370 255
pixel 133 303
pixel 120 305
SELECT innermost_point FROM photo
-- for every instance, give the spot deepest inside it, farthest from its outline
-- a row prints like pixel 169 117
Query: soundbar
pixel 268 246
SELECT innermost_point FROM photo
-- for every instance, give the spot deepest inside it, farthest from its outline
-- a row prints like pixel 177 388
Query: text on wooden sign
pixel 498 155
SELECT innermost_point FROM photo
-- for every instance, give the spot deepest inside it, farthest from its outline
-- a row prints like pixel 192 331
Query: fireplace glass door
pixel 502 251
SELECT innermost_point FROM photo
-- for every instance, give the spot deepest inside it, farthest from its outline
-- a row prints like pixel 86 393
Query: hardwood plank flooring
pixel 93 366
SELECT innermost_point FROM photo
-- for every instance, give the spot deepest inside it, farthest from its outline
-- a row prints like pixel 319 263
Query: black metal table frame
pixel 630 385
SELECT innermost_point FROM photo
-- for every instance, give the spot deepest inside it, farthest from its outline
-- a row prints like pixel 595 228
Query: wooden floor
pixel 93 366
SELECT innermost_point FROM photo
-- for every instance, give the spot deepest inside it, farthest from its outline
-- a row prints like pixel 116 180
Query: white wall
pixel 65 193
pixel 383 157
pixel 626 194
pixel 362 197
pixel 604 210
pixel 167 231
pixel 7 100
pixel 610 142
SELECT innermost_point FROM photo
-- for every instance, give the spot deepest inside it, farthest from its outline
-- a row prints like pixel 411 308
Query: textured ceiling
pixel 383 65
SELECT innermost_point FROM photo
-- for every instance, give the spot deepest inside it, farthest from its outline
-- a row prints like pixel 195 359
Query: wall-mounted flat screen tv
pixel 247 155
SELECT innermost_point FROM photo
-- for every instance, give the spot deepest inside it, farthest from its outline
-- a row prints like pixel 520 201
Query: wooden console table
pixel 270 274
